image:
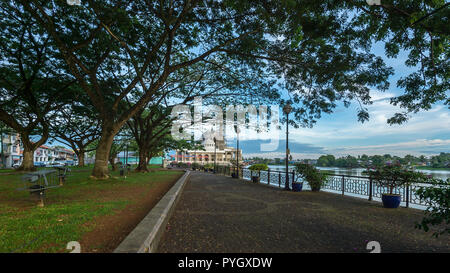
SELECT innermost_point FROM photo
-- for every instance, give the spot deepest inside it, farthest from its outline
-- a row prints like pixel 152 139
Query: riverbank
pixel 432 169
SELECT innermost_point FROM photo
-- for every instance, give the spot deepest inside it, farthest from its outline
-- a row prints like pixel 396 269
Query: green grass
pixel 24 227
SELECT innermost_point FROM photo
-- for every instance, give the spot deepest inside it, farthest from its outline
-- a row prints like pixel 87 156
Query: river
pixel 441 174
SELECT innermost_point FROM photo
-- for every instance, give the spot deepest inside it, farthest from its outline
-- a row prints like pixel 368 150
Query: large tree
pixel 77 126
pixel 149 126
pixel 33 84
pixel 118 50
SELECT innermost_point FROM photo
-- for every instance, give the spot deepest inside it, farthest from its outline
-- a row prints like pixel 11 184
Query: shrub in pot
pixel 195 166
pixel 209 167
pixel 257 167
pixel 313 176
pixel 392 177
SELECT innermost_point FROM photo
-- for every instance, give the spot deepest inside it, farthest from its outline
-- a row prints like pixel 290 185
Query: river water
pixel 441 174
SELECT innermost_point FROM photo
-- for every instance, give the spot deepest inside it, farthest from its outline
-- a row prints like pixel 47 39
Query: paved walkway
pixel 220 214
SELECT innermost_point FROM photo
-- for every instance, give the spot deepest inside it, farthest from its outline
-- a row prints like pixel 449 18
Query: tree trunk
pixel 142 166
pixel 28 160
pixel 113 164
pixel 100 170
pixel 80 156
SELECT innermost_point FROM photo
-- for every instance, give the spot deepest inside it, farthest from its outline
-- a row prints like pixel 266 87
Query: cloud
pixel 254 147
pixel 343 126
pixel 432 146
pixel 416 147
pixel 340 134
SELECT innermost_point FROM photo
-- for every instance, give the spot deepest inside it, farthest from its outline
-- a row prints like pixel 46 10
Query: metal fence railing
pixel 357 186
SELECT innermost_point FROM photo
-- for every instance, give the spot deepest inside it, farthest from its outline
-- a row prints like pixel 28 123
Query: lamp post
pixel 236 128
pixel 2 157
pixel 215 154
pixel 287 109
pixel 373 2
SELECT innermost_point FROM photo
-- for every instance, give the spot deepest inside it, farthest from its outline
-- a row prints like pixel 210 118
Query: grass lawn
pixel 98 214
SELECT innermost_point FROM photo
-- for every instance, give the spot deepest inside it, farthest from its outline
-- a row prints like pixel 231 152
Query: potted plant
pixel 313 176
pixel 195 166
pixel 208 167
pixel 257 167
pixel 392 177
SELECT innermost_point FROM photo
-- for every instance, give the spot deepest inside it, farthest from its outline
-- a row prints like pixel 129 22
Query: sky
pixel 426 133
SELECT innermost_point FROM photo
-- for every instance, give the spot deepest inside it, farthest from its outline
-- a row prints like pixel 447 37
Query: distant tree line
pixel 362 161
pixel 439 161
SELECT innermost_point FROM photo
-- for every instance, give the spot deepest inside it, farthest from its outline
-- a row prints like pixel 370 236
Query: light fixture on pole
pixel 215 154
pixel 287 109
pixel 373 2
pixel 236 128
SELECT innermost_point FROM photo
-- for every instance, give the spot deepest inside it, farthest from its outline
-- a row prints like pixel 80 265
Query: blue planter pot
pixel 297 186
pixel 391 201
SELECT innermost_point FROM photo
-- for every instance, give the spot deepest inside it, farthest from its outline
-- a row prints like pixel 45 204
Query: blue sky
pixel 426 133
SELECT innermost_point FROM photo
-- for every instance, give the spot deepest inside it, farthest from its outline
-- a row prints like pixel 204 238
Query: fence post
pixel 343 185
pixel 407 195
pixel 370 188
pixel 268 176
pixel 259 176
pixel 293 175
pixel 279 179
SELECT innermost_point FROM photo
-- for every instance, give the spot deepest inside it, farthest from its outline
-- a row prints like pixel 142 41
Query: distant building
pixel 224 153
pixel 45 155
pixel 10 150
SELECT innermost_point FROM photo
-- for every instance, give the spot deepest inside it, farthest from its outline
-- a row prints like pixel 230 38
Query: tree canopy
pixel 125 56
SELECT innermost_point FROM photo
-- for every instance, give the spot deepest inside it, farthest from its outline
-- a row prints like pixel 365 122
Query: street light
pixel 215 154
pixel 236 128
pixel 287 109
pixel 373 2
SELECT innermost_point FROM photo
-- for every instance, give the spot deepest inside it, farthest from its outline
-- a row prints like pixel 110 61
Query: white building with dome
pixel 224 153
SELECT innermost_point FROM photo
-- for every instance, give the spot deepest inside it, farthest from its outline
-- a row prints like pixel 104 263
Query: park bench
pixel 124 169
pixel 37 183
pixel 62 174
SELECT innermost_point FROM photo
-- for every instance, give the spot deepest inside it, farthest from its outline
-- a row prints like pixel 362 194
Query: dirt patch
pixel 109 231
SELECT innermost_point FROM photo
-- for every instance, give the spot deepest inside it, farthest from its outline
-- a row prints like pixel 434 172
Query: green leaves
pixel 419 29
pixel 313 176
pixel 394 176
pixel 437 215
pixel 258 167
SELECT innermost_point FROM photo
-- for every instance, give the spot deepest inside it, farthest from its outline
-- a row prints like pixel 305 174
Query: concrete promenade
pixel 220 214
